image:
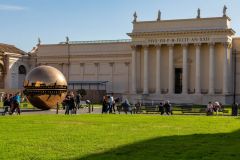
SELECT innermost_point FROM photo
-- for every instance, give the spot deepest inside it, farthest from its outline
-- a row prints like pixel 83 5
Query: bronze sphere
pixel 45 86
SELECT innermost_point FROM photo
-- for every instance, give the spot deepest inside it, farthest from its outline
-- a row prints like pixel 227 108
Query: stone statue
pixel 198 13
pixel 159 15
pixel 67 39
pixel 135 17
pixel 224 11
pixel 39 41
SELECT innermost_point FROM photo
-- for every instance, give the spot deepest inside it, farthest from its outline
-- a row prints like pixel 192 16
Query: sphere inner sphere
pixel 45 86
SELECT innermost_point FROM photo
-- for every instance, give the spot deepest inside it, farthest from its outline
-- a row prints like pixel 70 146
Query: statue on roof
pixel 224 11
pixel 159 15
pixel 67 39
pixel 135 17
pixel 39 41
pixel 198 13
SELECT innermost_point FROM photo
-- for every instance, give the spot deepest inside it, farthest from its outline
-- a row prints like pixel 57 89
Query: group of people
pixel 213 107
pixel 11 104
pixel 111 105
pixel 108 105
pixel 165 107
pixel 71 103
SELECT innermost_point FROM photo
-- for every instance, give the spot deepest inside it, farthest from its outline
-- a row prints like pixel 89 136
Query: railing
pixel 97 41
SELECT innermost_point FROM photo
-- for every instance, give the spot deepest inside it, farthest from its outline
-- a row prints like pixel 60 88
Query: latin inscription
pixel 179 40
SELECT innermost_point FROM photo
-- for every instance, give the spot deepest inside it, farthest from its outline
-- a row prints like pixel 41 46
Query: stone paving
pixel 53 111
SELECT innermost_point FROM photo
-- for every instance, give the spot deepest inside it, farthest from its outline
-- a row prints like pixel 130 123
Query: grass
pixel 119 137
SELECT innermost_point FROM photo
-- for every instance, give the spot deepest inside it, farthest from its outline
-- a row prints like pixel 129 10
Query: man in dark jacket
pixel 167 107
pixel 6 104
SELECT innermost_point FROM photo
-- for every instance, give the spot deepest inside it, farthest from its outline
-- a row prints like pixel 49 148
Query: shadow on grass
pixel 188 147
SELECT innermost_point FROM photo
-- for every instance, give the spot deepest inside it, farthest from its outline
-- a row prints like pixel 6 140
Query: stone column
pixel 96 64
pixel 185 70
pixel 127 65
pixel 6 72
pixel 61 67
pixel 171 71
pixel 225 68
pixel 198 70
pixel 134 71
pixel 145 70
pixel 211 69
pixel 230 70
pixel 82 68
pixel 158 66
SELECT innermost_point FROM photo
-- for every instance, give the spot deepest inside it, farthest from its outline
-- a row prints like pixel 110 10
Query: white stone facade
pixel 14 64
pixel 91 62
pixel 191 60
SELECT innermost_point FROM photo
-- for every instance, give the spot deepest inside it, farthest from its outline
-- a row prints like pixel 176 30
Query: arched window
pixel 22 69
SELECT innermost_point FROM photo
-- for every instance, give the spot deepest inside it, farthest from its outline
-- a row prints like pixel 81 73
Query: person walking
pixel 111 104
pixel 6 104
pixel 15 104
pixel 104 105
pixel 78 99
pixel 137 108
pixel 161 108
pixel 67 103
pixel 72 104
pixel 167 107
pixel 126 106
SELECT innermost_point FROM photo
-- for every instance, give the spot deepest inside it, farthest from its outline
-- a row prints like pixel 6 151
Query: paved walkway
pixel 53 111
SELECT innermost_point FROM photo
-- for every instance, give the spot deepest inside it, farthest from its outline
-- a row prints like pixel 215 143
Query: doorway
pixel 178 80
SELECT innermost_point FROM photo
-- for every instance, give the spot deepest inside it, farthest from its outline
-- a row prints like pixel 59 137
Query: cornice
pixel 183 32
pixel 82 63
pixel 72 43
pixel 86 56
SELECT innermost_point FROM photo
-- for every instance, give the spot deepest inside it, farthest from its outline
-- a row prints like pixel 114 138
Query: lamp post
pixel 68 53
pixel 234 105
pixel 234 75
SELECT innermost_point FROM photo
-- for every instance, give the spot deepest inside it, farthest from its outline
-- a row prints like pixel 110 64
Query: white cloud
pixel 4 7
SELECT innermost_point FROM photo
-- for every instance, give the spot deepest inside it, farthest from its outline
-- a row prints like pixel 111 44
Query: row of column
pixel 185 69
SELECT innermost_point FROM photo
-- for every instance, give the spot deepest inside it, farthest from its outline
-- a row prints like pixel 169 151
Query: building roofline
pixel 182 32
pixel 11 49
pixel 99 41
pixel 188 19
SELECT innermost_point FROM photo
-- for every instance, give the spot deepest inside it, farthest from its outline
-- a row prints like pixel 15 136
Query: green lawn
pixel 119 137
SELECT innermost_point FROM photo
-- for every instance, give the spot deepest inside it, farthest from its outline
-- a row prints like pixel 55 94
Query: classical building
pixel 181 60
pixel 13 67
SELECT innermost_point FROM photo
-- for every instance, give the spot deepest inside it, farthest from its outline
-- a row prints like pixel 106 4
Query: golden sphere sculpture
pixel 45 86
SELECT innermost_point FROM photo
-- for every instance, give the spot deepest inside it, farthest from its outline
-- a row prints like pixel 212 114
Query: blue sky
pixel 23 21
